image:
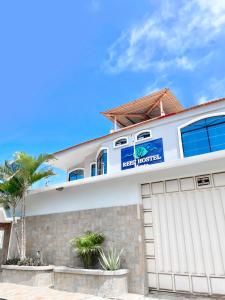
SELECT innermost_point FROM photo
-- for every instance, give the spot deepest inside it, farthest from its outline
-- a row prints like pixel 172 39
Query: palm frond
pixel 30 163
pixel 29 167
pixel 41 175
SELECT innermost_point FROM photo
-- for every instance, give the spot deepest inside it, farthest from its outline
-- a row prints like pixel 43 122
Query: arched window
pixel 93 169
pixel 143 135
pixel 120 142
pixel 102 162
pixel 76 174
pixel 203 136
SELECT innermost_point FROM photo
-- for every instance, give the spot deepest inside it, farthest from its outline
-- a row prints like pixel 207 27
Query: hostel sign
pixel 142 154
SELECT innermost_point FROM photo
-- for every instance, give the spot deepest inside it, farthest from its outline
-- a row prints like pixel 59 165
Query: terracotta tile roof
pixel 139 124
pixel 144 108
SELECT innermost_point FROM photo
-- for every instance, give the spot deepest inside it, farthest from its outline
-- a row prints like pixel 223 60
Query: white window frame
pixel 93 163
pixel 70 171
pixel 120 138
pixel 181 149
pixel 96 158
pixel 144 139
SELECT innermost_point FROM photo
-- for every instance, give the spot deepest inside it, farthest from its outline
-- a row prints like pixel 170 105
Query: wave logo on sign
pixel 150 152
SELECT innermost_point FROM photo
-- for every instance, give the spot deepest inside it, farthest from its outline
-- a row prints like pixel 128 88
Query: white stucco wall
pixel 166 128
pixel 122 188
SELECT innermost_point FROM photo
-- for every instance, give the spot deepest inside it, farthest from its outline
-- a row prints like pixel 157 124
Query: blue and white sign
pixel 146 153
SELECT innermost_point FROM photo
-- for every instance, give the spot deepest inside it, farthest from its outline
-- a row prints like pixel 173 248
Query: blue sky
pixel 62 62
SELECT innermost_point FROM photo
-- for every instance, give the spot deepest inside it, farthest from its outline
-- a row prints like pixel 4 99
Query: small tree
pixel 10 195
pixel 88 247
pixel 25 171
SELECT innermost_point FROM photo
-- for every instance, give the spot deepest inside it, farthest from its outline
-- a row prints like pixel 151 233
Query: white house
pixel 154 186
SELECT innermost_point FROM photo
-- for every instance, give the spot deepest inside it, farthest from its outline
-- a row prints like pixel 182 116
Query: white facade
pixel 167 128
pixel 180 201
pixel 121 187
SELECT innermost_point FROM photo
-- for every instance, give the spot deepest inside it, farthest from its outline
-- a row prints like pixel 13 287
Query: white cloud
pixel 185 63
pixel 202 100
pixel 176 36
pixel 214 90
pixel 157 84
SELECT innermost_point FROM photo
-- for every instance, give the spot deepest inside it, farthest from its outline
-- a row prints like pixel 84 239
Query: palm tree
pixel 24 171
pixel 10 194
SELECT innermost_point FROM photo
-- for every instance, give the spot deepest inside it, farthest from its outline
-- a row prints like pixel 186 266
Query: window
pixel 93 169
pixel 143 135
pixel 76 174
pixel 120 142
pixel 203 136
pixel 102 162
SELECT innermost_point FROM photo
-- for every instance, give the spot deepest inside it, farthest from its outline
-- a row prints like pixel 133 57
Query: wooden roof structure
pixel 148 107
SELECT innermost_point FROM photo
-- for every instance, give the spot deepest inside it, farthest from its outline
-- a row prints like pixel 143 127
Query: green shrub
pixel 29 261
pixel 88 247
pixel 112 260
pixel 12 261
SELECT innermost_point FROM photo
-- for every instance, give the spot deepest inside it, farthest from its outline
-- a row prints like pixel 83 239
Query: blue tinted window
pixel 143 135
pixel 102 162
pixel 77 174
pixel 93 169
pixel 203 136
pixel 120 142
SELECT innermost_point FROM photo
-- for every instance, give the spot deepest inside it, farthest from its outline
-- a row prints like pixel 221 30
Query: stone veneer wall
pixel 121 226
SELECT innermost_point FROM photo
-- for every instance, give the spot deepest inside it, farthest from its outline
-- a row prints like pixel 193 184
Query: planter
pixel 95 282
pixel 41 276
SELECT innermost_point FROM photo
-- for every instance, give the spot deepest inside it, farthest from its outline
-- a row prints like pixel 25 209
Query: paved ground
pixel 9 291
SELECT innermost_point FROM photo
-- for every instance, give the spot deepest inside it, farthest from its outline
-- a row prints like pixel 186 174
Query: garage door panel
pixel 172 232
pixel 218 286
pixel 150 249
pixel 220 221
pixel 157 233
pixel 213 232
pixel 180 235
pixel 164 235
pixel 196 233
pixel 200 285
pixel 207 254
pixel 185 235
pixel 191 262
pixel 148 232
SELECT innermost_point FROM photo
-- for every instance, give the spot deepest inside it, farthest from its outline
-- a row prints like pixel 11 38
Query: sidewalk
pixel 9 291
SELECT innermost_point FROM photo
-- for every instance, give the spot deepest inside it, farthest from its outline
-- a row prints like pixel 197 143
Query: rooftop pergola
pixel 148 107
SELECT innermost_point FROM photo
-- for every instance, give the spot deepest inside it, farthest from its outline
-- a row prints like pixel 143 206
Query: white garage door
pixel 184 222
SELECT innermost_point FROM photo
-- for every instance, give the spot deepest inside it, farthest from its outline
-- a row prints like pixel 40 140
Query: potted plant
pixel 109 280
pixel 88 247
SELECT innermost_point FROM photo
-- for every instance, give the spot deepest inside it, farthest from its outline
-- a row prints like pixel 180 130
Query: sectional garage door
pixel 184 224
